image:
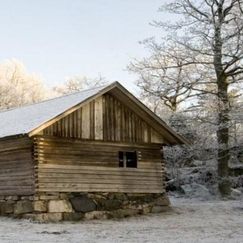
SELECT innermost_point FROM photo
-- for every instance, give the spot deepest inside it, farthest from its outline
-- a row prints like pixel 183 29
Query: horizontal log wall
pixel 16 167
pixel 105 119
pixel 69 165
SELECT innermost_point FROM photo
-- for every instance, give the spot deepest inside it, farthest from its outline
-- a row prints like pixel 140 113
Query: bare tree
pixel 17 86
pixel 79 83
pixel 210 35
pixel 163 74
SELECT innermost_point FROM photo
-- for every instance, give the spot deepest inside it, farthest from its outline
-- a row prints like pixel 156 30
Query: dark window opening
pixel 121 162
pixel 128 159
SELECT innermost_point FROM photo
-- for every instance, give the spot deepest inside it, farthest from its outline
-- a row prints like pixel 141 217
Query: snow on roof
pixel 24 119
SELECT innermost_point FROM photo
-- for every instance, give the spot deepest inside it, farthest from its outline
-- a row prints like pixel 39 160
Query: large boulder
pixel 6 208
pixel 236 193
pixel 59 206
pixel 40 206
pixel 83 204
pixel 23 207
pixel 195 190
pixel 162 201
pixel 172 185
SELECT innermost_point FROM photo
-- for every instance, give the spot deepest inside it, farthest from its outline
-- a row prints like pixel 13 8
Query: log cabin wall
pixel 16 167
pixel 107 119
pixel 70 165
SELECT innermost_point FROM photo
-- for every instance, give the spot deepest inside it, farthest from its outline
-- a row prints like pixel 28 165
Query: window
pixel 128 159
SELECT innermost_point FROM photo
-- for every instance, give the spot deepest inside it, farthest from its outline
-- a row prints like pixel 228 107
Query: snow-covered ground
pixel 190 221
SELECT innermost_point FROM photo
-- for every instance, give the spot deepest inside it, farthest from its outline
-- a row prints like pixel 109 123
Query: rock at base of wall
pixel 120 196
pixel 160 209
pixel 22 207
pixel 48 217
pixel 78 206
pixel 96 215
pixel 109 204
pixel 123 213
pixel 40 206
pixel 59 206
pixel 73 216
pixel 162 201
pixel 7 208
pixel 83 204
pixel 146 210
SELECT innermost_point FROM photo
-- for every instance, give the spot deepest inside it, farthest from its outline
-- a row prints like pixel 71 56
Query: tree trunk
pixel 223 108
pixel 223 138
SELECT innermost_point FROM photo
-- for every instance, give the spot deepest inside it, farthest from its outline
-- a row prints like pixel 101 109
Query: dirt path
pixel 191 221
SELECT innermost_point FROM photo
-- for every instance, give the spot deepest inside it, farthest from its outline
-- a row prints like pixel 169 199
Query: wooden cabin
pixel 58 157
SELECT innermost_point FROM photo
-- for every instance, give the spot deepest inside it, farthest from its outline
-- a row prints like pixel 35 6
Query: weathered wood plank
pixel 82 175
pixel 98 186
pixel 99 119
pixel 86 122
pixel 92 120
pixel 16 167
pixel 77 141
pixel 88 189
pixel 108 171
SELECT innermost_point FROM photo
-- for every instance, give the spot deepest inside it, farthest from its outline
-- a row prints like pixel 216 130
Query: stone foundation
pixel 54 207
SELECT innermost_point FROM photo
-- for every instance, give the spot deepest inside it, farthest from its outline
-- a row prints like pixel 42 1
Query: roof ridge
pixel 54 98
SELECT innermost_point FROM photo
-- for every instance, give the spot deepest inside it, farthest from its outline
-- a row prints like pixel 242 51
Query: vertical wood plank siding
pixel 68 165
pixel 106 119
pixel 16 167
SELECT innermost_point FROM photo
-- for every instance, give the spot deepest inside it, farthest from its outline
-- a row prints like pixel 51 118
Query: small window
pixel 128 159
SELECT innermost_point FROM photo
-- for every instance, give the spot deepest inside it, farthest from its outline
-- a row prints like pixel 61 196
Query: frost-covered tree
pixel 78 83
pixel 210 34
pixel 163 76
pixel 17 86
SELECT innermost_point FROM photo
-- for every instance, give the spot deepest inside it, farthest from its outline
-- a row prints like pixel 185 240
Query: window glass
pixel 131 159
pixel 128 159
pixel 121 162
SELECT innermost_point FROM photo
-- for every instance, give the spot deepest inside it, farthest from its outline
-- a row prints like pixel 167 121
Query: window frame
pixel 123 159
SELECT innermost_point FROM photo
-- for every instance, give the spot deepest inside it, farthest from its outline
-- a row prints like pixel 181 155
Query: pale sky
pixel 63 38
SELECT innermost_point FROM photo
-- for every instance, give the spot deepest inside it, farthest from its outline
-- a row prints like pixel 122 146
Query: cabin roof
pixel 26 120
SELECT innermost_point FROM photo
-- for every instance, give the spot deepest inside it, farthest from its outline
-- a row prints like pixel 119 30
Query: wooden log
pixel 16 166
